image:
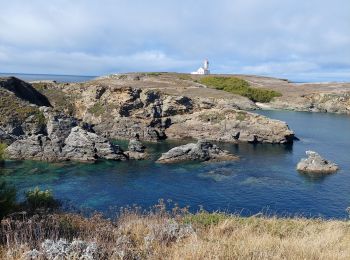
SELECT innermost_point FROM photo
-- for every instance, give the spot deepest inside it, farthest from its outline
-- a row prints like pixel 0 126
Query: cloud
pixel 278 38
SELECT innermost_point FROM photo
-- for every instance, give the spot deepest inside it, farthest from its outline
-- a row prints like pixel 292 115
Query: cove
pixel 264 179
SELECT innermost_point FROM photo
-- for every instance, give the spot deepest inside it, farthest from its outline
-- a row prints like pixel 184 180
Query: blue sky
pixel 304 40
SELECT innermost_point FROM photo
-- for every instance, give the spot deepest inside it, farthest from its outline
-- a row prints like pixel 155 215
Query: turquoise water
pixel 264 179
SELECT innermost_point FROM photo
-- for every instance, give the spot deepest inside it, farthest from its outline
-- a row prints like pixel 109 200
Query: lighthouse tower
pixel 206 65
pixel 203 70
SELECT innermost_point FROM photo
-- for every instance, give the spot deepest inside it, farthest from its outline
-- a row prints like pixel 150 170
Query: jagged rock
pixel 316 164
pixel 135 145
pixel 63 140
pixel 136 149
pixel 24 91
pixel 82 145
pixel 200 151
pixel 229 125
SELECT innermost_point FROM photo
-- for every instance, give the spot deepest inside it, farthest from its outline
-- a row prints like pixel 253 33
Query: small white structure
pixel 203 70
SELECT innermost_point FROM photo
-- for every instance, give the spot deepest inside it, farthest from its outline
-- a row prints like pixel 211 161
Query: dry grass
pixel 161 235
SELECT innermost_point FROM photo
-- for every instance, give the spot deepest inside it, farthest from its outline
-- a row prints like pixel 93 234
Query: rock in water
pixel 136 149
pixel 63 139
pixel 200 151
pixel 316 164
pixel 136 146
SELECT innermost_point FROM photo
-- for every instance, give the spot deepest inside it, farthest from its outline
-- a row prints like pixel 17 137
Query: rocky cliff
pixel 121 112
pixel 55 121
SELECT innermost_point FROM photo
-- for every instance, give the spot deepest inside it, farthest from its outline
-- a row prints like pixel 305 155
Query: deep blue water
pixel 58 78
pixel 264 179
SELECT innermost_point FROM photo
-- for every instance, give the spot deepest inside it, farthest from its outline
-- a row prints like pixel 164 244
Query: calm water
pixel 264 179
pixel 58 78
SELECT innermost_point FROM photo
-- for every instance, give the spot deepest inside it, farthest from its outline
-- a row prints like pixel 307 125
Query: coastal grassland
pixel 59 99
pixel 158 234
pixel 241 87
pixel 13 109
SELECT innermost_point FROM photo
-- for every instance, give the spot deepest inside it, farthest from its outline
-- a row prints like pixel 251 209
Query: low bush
pixel 7 199
pixel 240 87
pixel 40 199
pixel 2 151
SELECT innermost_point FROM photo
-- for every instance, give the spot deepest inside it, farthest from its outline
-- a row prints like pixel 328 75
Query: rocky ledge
pixel 316 164
pixel 200 151
pixel 62 138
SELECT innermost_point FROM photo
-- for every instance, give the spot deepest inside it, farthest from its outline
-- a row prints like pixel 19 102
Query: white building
pixel 203 70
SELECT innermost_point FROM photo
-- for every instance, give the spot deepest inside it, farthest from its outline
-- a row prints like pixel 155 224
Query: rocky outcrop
pixel 123 112
pixel 200 151
pixel 330 102
pixel 316 164
pixel 230 125
pixel 24 91
pixel 136 150
pixel 64 138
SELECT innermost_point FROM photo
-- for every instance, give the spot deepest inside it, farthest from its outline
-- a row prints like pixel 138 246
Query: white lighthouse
pixel 203 70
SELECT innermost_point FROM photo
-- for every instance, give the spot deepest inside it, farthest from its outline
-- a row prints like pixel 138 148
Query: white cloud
pixel 273 37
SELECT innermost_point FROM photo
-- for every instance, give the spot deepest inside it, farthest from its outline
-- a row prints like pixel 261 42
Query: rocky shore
pixel 75 121
pixel 200 151
pixel 330 97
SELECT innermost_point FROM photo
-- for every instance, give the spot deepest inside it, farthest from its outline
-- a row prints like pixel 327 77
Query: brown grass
pixel 179 235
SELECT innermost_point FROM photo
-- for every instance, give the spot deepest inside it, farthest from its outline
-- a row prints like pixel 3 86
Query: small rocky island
pixel 200 151
pixel 316 164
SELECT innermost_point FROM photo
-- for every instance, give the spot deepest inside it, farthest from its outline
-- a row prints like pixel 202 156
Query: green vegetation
pixel 97 109
pixel 241 115
pixel 240 87
pixel 12 109
pixel 59 99
pixel 38 199
pixel 185 77
pixel 212 117
pixel 204 218
pixel 2 151
pixel 153 74
pixel 7 199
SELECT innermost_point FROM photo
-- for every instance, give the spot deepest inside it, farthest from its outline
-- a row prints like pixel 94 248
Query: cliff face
pixel 84 116
pixel 122 112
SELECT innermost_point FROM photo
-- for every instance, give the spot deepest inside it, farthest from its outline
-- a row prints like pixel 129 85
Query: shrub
pixel 205 219
pixel 40 199
pixel 240 87
pixel 7 199
pixel 97 109
pixel 2 151
pixel 153 74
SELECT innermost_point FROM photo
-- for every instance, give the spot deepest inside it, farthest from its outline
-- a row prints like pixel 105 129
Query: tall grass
pixel 158 234
pixel 240 87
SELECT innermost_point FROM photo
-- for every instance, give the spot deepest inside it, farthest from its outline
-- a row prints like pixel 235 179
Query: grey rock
pixel 64 140
pixel 82 145
pixel 200 151
pixel 316 164
pixel 135 145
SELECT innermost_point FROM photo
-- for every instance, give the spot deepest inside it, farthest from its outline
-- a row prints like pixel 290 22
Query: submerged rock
pixel 316 164
pixel 200 151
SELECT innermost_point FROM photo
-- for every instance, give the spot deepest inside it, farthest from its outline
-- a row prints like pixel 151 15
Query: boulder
pixel 65 138
pixel 200 151
pixel 136 149
pixel 82 145
pixel 316 164
pixel 135 145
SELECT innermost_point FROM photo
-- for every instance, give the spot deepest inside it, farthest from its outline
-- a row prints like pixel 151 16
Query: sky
pixel 302 40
